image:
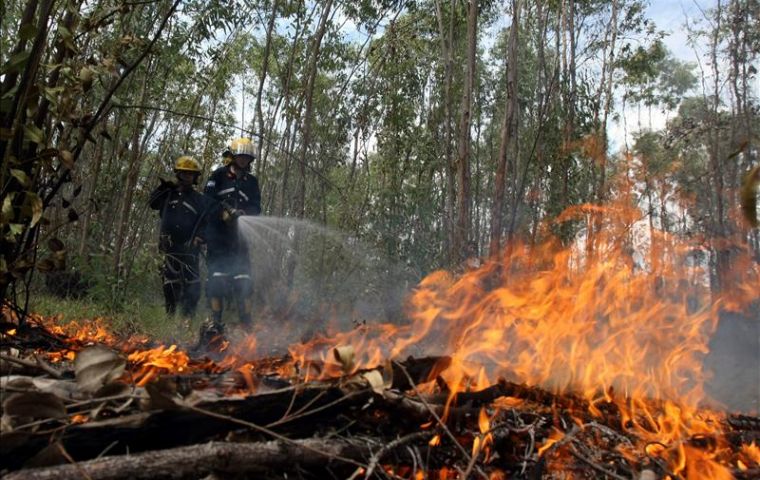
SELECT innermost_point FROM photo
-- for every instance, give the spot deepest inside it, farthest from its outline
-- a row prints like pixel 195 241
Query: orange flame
pixel 152 362
pixel 621 317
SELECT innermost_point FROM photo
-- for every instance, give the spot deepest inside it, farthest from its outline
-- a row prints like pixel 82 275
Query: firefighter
pixel 182 210
pixel 237 193
pixel 227 157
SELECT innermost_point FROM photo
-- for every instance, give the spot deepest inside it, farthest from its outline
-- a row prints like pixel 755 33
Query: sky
pixel 669 16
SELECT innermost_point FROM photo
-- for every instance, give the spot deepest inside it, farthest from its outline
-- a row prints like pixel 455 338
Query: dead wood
pixel 184 426
pixel 414 371
pixel 62 388
pixel 159 429
pixel 195 461
pixel 39 365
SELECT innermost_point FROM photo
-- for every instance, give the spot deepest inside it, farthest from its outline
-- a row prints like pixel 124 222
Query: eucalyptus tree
pixel 46 123
pixel 83 88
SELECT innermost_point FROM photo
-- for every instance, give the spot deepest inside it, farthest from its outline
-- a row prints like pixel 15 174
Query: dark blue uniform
pixel 228 262
pixel 182 212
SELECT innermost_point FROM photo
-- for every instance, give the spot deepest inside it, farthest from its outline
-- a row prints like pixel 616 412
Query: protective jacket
pixel 228 262
pixel 183 215
pixel 233 193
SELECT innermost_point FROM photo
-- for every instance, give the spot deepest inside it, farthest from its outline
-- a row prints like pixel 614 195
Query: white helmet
pixel 243 146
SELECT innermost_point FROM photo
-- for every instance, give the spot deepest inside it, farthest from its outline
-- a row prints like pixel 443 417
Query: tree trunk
pixel 568 55
pixel 463 232
pixel 722 254
pixel 507 135
pixel 91 189
pixel 300 209
pixel 447 43
pixel 135 160
pixel 610 67
pixel 262 81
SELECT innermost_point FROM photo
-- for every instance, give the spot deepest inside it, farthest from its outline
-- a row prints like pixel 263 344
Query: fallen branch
pixel 440 421
pixel 214 457
pixel 38 364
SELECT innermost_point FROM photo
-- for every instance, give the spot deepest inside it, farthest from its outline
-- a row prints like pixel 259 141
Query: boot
pixel 245 307
pixel 211 338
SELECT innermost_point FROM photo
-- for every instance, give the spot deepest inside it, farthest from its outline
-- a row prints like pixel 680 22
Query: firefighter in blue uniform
pixel 182 210
pixel 237 193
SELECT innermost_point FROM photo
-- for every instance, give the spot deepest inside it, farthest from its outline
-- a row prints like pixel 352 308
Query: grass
pixel 134 317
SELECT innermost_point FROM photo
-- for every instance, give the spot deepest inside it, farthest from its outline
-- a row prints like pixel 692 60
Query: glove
pixel 229 215
pixel 166 184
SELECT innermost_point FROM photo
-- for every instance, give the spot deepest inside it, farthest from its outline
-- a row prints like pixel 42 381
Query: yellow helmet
pixel 187 164
pixel 243 146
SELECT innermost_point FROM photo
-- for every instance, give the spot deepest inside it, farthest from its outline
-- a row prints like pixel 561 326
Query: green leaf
pixel 20 175
pixel 64 32
pixel 27 31
pixel 34 134
pixel 16 228
pixel 16 62
pixel 7 212
pixel 32 208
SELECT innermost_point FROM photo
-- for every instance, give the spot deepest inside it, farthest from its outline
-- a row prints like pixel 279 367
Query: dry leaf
pixel 345 356
pixel 749 196
pixel 97 366
pixel 163 394
pixel 66 158
pixel 375 380
pixel 34 405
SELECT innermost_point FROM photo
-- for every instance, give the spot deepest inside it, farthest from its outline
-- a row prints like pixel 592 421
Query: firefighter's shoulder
pixel 215 176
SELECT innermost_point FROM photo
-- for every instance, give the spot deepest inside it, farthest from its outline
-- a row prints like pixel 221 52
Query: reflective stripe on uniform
pixel 219 274
pixel 226 191
pixel 243 195
pixel 238 277
pixel 190 207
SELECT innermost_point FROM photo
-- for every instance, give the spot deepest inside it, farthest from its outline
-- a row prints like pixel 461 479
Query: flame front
pixel 621 318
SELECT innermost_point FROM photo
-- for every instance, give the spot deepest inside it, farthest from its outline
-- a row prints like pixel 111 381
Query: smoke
pixel 310 279
pixel 734 364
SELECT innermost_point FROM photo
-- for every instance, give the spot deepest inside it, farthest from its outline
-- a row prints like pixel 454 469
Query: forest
pixel 510 239
pixel 431 131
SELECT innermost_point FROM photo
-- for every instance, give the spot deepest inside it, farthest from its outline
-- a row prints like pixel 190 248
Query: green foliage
pixel 654 77
pixel 132 318
pixel 95 111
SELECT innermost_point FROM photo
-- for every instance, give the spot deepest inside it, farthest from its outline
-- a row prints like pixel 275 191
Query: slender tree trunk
pixel 463 231
pixel 722 260
pixel 610 68
pixel 262 81
pixel 300 209
pixel 568 55
pixel 91 189
pixel 600 120
pixel 507 134
pixel 447 45
pixel 131 180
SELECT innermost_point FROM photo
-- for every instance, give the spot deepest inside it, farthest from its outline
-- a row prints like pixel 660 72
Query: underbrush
pixel 129 319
